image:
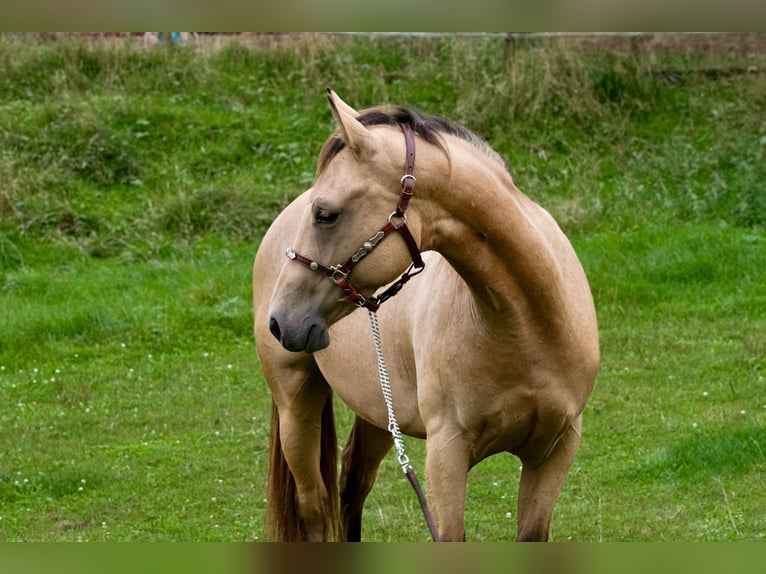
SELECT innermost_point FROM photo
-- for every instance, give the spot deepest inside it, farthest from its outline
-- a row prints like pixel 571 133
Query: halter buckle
pixel 337 274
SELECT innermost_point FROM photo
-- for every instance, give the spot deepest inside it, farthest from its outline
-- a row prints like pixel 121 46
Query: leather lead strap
pixel 410 474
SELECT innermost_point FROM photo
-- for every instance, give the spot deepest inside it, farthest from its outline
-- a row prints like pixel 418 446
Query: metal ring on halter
pixel 337 274
pixel 408 176
pixel 396 214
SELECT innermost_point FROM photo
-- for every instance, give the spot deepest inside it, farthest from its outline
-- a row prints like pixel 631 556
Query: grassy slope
pixel 136 185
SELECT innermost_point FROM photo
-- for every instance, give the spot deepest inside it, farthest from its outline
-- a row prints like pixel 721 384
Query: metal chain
pixel 385 385
pixel 393 428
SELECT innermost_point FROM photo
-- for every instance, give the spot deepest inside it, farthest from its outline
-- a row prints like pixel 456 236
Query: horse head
pixel 339 234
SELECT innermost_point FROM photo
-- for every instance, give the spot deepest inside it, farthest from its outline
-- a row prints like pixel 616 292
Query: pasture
pixel 136 183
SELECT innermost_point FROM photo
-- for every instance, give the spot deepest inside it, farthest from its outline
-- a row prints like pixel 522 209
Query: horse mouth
pixel 307 340
pixel 318 338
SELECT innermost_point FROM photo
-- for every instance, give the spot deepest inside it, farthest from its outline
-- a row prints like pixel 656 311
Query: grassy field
pixel 136 183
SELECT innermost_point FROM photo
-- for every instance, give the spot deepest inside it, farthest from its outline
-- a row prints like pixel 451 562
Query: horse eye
pixel 323 217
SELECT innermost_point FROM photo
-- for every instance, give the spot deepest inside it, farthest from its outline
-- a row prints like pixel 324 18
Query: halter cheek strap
pixel 397 221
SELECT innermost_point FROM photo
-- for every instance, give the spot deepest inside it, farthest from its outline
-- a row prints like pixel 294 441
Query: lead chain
pixel 385 385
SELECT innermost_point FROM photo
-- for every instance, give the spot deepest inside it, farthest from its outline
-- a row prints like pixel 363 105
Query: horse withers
pixel 492 348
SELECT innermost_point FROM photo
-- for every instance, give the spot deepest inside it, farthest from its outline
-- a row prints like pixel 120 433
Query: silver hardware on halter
pixel 375 239
pixel 363 250
pixel 313 265
pixel 290 253
pixel 367 246
pixel 335 272
pixel 394 214
pixel 408 176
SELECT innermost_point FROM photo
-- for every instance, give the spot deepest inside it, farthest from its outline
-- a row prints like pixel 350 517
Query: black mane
pixel 430 128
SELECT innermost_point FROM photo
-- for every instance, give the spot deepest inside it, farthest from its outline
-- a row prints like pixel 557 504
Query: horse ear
pixel 356 136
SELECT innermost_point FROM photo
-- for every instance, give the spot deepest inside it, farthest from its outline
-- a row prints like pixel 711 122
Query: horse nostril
pixel 274 328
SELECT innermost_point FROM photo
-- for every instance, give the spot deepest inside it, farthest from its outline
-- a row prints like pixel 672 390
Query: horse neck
pixel 499 241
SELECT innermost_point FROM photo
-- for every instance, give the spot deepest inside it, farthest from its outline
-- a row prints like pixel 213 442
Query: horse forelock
pixel 430 128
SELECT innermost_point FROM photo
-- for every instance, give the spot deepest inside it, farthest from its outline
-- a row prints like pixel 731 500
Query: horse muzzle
pixel 299 335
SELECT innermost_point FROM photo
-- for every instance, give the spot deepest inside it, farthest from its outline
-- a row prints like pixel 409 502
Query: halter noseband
pixel 338 274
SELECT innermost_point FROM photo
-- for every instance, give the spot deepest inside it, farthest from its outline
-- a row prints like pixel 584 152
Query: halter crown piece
pixel 397 221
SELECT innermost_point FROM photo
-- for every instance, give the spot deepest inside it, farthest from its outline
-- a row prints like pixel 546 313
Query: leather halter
pixel 397 221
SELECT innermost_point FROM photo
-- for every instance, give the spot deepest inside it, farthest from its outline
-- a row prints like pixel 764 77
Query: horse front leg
pixel 302 501
pixel 300 437
pixel 360 460
pixel 447 466
pixel 541 484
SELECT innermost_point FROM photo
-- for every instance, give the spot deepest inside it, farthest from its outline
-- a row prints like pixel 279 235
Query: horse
pixel 493 347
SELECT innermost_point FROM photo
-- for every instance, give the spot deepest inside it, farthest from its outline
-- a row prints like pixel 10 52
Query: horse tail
pixel 328 465
pixel 283 521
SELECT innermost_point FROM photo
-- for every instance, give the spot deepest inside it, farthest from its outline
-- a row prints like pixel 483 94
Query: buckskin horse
pixel 492 348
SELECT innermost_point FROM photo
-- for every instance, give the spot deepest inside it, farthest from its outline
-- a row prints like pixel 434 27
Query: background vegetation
pixel 136 183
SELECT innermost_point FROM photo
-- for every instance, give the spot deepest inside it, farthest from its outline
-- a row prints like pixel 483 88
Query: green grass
pixel 136 185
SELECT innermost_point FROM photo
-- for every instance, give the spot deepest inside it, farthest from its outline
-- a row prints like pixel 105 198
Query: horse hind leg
pixel 360 460
pixel 541 484
pixel 302 499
